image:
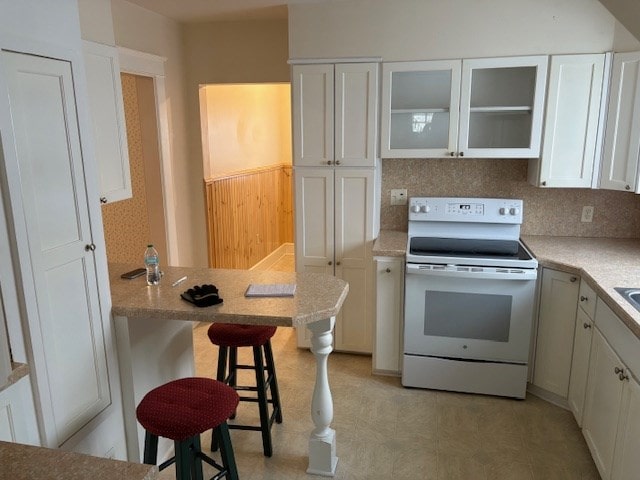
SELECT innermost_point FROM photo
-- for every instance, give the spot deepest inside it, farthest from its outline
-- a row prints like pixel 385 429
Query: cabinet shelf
pixel 418 110
pixel 502 110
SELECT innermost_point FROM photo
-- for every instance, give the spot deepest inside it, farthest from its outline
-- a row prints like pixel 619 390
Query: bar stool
pixel 229 337
pixel 181 410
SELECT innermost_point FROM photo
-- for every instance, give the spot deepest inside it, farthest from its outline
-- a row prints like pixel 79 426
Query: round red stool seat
pixel 186 407
pixel 232 335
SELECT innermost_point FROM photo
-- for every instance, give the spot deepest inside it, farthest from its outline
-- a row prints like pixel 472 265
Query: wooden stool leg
pixel 262 401
pixel 273 385
pixel 150 448
pixel 226 450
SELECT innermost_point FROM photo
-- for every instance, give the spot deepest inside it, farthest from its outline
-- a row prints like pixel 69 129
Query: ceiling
pixel 217 10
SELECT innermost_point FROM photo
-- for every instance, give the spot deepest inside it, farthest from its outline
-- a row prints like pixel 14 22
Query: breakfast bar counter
pixel 154 335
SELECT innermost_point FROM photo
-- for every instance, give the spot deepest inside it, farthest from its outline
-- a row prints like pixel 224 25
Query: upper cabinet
pixel 335 111
pixel 107 116
pixel 572 138
pixel 622 135
pixel 474 108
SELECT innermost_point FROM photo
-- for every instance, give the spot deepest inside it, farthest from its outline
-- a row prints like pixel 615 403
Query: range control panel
pixel 472 210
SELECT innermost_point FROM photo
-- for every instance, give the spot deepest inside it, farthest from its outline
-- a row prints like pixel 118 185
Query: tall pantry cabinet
pixel 334 146
pixel 49 181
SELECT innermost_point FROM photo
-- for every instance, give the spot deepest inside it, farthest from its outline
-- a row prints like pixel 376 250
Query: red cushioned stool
pixel 229 337
pixel 181 410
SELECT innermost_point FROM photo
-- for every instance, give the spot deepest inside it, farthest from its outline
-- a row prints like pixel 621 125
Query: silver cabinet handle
pixel 618 370
pixel 583 298
pixel 573 279
pixel 586 325
pixel 90 248
pixel 337 263
pixel 453 154
pixel 103 200
pixel 329 162
pixel 544 184
pixel 337 162
pixel 461 154
pixel 330 262
pixel 388 270
pixel 627 187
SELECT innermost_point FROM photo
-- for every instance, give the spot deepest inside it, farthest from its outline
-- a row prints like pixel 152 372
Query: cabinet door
pixel 353 242
pixel 387 351
pixel 556 322
pixel 626 464
pixel 501 105
pixel 107 116
pixel 580 364
pixel 420 106
pixel 314 200
pixel 356 114
pixel 602 403
pixel 312 103
pixel 571 125
pixel 622 135
pixel 17 414
pixel 67 335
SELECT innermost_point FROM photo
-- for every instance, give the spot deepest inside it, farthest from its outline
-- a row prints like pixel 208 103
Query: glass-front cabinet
pixel 475 108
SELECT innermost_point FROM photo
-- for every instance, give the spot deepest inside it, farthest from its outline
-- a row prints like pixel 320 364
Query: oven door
pixel 466 312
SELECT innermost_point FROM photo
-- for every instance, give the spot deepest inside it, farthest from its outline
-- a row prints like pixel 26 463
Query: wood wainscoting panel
pixel 249 215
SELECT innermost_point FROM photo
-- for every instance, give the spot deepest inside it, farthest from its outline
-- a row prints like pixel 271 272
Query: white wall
pixel 627 12
pixel 436 29
pixel 145 31
pixel 95 21
pixel 245 127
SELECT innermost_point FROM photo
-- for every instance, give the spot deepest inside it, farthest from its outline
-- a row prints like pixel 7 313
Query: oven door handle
pixel 467 272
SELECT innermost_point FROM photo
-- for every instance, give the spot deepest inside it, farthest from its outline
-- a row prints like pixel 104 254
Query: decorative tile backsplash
pixel 547 211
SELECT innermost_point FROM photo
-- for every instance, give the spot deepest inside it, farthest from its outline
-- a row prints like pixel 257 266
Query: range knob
pixel 425 208
pixel 502 211
pixel 514 211
pixel 415 208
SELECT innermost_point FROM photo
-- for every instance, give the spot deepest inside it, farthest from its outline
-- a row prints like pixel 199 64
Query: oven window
pixel 479 316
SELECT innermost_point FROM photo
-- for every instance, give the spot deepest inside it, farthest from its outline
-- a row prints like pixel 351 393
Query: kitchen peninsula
pixel 154 336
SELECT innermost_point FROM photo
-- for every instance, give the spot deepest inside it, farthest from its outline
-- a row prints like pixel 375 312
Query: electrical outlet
pixel 398 196
pixel 587 214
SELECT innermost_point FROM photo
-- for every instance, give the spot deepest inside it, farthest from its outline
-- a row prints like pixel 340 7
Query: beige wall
pixel 145 31
pixel 434 29
pixel 245 127
pixel 627 11
pixel 547 211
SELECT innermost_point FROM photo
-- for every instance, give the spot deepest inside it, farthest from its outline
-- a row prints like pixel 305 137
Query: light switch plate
pixel 398 196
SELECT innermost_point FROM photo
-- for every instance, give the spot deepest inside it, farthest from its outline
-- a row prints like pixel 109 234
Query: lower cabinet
pixel 611 422
pixel 556 322
pixel 17 414
pixel 580 364
pixel 387 351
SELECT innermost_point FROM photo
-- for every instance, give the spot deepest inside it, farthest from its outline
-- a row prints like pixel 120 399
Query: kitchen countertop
pixel 317 296
pixel 604 263
pixel 28 462
pixel 18 371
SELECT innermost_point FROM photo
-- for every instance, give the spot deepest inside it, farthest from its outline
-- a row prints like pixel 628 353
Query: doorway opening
pixel 246 144
pixel 131 224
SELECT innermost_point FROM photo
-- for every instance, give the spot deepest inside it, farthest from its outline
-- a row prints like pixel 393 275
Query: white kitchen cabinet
pixel 61 256
pixel 334 235
pixel 387 351
pixel 17 414
pixel 335 112
pixel 626 461
pixel 612 404
pixel 585 316
pixel 488 107
pixel 107 115
pixel 622 135
pixel 571 132
pixel 420 108
pixel 556 323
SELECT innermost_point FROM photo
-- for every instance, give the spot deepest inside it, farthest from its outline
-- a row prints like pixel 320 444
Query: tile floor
pixel 387 431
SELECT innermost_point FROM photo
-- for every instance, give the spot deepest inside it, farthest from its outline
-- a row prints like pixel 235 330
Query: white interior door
pixel 67 336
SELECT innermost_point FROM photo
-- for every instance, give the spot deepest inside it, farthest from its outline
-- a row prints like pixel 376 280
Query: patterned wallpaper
pixel 126 225
pixel 547 211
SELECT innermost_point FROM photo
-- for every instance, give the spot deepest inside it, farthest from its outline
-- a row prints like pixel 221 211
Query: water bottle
pixel 152 265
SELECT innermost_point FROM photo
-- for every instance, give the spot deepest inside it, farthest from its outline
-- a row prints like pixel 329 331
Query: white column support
pixel 322 441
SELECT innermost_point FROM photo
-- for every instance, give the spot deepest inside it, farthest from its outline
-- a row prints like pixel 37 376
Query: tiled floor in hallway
pixel 387 431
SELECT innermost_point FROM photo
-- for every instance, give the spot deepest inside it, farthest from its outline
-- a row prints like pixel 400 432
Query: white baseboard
pixel 267 262
pixel 548 396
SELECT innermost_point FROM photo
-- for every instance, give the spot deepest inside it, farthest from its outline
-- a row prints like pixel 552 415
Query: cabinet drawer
pixel 587 299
